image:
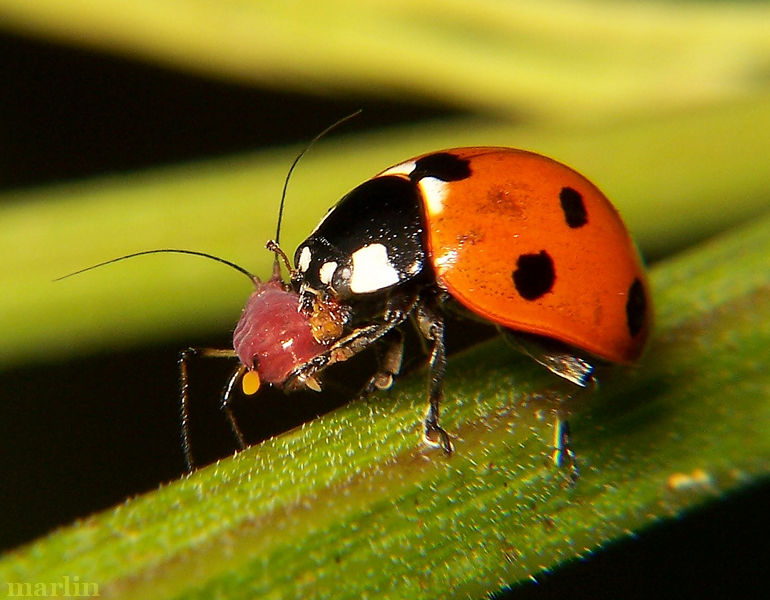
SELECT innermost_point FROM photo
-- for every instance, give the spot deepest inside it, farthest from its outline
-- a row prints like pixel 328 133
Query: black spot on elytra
pixel 636 307
pixel 534 275
pixel 573 207
pixel 441 165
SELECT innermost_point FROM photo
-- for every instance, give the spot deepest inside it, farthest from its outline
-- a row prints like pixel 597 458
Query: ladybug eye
pixel 335 278
pixel 340 281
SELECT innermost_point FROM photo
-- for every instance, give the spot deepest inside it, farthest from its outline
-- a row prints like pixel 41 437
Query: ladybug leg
pixel 557 360
pixel 395 313
pixel 562 447
pixel 431 324
pixel 184 397
pixel 573 369
pixel 389 363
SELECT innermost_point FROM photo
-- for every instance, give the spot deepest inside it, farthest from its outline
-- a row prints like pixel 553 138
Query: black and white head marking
pixel 373 239
pixel 369 242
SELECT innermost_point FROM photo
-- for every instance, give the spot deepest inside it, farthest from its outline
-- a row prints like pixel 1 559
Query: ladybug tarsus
pixel 562 448
pixel 431 323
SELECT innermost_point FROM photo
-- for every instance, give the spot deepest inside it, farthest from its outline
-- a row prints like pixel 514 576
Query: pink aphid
pixel 279 340
pixel 273 337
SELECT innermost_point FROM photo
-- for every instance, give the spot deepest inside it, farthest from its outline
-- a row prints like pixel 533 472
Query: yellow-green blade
pixel 553 59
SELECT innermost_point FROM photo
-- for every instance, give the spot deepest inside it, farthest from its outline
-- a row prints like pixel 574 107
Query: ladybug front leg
pixel 396 312
pixel 431 324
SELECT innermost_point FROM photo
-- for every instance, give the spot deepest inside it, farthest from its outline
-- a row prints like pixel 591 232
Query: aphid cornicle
pixel 498 234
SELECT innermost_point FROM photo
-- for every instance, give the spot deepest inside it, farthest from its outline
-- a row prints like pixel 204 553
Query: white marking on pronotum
pixel 372 270
pixel 326 272
pixel 304 259
pixel 433 192
pixel 446 261
pixel 404 168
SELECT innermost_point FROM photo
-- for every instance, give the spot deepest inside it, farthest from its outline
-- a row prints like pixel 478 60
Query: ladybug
pixel 497 234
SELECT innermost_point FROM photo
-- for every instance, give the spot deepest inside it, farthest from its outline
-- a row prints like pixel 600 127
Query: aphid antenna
pixel 274 245
pixel 253 278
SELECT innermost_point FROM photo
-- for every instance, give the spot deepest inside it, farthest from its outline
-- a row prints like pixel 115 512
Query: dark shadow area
pixel 716 552
pixel 69 113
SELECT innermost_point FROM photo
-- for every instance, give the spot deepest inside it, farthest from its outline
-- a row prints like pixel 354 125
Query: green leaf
pixel 350 503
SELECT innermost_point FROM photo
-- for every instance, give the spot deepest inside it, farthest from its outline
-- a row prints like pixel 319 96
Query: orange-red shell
pixel 530 244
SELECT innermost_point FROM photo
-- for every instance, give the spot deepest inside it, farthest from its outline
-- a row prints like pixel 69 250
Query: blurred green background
pixel 129 126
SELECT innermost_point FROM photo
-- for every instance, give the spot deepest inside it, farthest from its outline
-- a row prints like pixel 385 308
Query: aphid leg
pixel 225 405
pixel 562 447
pixel 389 363
pixel 432 328
pixel 184 400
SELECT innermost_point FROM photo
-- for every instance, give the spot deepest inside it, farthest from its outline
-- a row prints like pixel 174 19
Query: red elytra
pixel 530 244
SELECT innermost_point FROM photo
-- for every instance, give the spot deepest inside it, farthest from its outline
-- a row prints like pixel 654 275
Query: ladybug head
pixel 323 270
pixel 368 243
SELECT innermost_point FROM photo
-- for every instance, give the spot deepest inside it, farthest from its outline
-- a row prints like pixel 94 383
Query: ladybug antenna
pixel 252 278
pixel 291 169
